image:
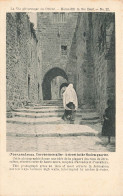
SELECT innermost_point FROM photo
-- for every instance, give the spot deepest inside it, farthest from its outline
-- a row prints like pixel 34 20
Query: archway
pixel 49 76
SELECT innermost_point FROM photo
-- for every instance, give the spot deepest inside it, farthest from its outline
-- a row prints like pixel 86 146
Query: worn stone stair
pixel 50 112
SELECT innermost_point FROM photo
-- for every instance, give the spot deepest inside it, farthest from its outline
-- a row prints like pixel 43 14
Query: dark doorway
pixel 28 86
pixel 46 85
pixel 38 90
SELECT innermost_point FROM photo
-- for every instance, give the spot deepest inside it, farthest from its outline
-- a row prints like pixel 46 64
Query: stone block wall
pixel 80 62
pixel 91 63
pixel 85 69
pixel 55 34
pixel 103 50
pixel 21 61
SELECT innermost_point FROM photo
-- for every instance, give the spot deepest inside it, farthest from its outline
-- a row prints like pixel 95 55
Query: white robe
pixel 70 96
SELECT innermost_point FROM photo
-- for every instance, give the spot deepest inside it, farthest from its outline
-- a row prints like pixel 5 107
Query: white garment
pixel 70 96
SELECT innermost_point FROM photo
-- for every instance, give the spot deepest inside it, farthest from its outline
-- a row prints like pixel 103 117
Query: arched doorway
pixel 49 76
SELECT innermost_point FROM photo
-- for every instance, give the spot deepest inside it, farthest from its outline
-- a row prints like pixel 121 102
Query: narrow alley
pixel 45 52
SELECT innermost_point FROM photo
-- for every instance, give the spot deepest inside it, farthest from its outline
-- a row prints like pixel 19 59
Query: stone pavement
pixel 41 128
pixel 56 138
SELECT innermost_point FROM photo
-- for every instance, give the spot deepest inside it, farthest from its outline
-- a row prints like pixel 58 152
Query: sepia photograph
pixel 60 82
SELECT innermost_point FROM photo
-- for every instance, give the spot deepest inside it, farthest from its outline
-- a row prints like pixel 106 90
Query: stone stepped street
pixel 40 127
pixel 50 113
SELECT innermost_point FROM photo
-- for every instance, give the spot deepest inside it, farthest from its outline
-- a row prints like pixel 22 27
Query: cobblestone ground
pixel 85 139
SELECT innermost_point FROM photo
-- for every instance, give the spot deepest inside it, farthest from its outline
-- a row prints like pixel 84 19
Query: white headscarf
pixel 70 96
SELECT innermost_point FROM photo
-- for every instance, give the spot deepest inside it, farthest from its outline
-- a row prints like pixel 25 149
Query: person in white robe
pixel 70 103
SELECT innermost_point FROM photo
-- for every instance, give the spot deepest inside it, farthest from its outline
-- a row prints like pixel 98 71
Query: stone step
pixel 54 107
pixel 52 101
pixel 44 110
pixel 47 103
pixel 44 115
pixel 52 104
pixel 21 120
pixel 50 120
pixel 87 116
pixel 89 122
pixel 44 107
pixel 30 114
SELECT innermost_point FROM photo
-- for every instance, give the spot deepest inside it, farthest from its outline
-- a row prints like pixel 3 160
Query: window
pixel 59 17
pixel 64 50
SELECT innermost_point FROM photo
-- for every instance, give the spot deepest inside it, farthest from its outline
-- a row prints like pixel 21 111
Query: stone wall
pixel 103 50
pixel 80 63
pixel 22 71
pixel 55 34
pixel 91 63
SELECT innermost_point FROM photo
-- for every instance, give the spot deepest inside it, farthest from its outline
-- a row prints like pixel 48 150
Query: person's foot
pixel 63 117
pixel 71 121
